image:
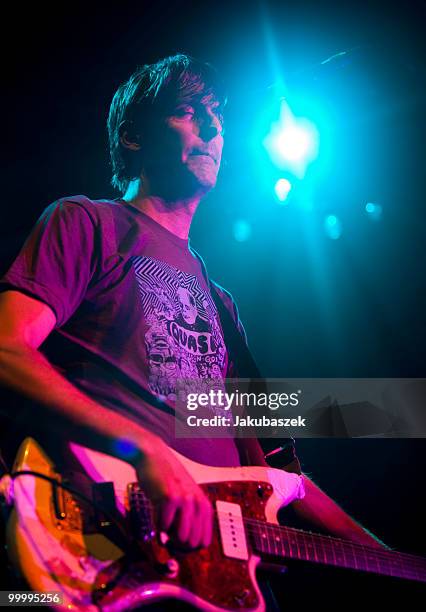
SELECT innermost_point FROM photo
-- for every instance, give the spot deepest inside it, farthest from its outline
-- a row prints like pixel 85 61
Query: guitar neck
pixel 274 541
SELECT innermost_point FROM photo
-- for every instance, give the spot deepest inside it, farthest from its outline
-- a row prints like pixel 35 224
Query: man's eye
pixel 185 111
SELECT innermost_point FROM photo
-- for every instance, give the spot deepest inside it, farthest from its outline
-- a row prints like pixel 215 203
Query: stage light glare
pixel 333 227
pixel 374 211
pixel 242 230
pixel 282 189
pixel 292 143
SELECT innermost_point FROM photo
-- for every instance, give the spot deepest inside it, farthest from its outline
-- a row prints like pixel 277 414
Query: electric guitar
pixel 90 535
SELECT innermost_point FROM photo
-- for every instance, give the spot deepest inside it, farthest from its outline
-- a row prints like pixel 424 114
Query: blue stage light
pixel 374 211
pixel 333 227
pixel 292 143
pixel 242 230
pixel 282 189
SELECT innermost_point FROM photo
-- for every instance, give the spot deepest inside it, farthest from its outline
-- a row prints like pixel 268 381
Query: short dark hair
pixel 149 93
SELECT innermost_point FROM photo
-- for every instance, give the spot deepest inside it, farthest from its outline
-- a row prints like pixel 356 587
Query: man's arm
pixel 24 324
pixel 320 510
pixel 316 508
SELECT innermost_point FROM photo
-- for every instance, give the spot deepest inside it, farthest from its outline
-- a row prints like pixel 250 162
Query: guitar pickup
pixel 232 532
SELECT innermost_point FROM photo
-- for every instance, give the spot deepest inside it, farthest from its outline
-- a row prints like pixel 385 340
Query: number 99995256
pixel 30 598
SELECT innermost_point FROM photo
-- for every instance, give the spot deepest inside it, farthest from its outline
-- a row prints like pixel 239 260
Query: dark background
pixel 312 306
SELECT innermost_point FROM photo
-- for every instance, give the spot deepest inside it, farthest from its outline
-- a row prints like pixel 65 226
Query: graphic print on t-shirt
pixel 183 340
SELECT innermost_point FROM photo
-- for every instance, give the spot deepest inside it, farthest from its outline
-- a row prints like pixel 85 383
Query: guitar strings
pixel 329 541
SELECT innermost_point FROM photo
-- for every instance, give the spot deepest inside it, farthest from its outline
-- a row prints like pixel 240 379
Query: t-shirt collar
pixel 182 243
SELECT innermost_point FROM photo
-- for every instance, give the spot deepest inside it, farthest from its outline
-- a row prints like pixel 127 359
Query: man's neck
pixel 174 215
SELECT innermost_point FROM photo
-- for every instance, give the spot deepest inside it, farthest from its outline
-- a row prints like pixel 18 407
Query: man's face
pixel 187 148
pixel 189 308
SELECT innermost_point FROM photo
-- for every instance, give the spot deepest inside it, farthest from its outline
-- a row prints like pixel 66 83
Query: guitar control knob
pixel 170 569
pixel 240 599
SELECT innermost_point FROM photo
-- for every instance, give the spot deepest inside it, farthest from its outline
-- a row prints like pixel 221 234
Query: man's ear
pixel 128 138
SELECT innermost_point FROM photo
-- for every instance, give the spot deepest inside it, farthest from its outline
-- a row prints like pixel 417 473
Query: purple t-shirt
pixel 134 312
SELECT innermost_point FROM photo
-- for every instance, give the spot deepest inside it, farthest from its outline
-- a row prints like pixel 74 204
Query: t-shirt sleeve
pixel 57 260
pixel 231 305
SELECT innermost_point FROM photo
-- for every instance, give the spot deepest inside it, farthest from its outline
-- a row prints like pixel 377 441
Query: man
pixel 107 305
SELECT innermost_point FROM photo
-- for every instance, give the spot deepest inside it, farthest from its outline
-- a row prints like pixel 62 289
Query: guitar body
pixel 114 560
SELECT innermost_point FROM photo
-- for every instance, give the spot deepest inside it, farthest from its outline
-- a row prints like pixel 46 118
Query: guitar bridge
pixel 141 513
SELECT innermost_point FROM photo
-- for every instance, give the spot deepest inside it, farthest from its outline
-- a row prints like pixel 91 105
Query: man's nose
pixel 210 126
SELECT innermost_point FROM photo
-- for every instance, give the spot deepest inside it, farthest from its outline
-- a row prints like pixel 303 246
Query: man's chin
pixel 204 171
pixel 192 181
pixel 206 183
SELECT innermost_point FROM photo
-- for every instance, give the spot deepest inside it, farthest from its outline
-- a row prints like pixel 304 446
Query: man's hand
pixel 183 510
